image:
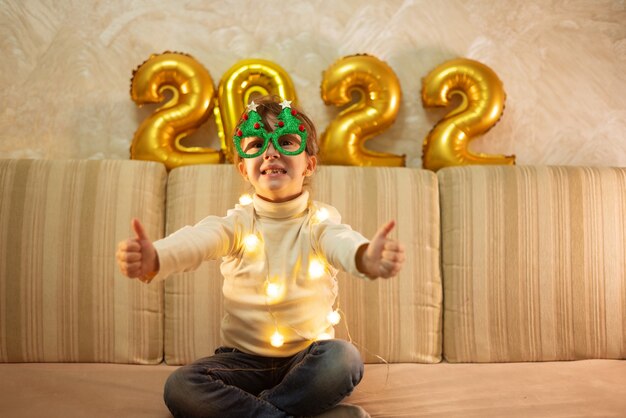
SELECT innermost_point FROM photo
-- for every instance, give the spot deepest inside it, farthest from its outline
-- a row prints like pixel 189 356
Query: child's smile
pixel 273 171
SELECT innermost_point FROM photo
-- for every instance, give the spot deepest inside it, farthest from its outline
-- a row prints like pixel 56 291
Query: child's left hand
pixel 382 257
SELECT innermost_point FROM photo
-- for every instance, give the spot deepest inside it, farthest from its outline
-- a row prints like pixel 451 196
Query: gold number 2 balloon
pixel 343 141
pixel 241 82
pixel 158 137
pixel 482 105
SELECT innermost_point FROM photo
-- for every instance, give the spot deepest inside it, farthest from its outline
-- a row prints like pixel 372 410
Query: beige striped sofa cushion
pixel 62 297
pixel 534 263
pixel 397 320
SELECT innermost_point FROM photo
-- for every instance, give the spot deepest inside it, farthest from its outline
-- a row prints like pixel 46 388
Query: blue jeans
pixel 236 384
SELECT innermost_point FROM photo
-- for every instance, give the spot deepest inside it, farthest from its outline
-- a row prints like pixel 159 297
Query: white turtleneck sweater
pixel 275 284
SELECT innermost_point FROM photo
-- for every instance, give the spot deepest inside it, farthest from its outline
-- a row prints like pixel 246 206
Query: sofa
pixel 512 302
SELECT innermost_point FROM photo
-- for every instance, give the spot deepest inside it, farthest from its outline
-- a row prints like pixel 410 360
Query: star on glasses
pixel 252 106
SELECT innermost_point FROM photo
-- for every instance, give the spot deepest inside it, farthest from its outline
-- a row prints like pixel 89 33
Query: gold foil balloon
pixel 482 104
pixel 158 137
pixel 343 142
pixel 241 82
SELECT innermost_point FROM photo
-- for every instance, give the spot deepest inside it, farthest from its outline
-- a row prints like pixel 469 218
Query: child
pixel 280 255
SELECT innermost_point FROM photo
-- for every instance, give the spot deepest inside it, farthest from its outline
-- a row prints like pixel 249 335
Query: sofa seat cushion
pixel 553 389
pixel 62 297
pixel 398 320
pixel 534 263
pixel 66 390
pixel 588 388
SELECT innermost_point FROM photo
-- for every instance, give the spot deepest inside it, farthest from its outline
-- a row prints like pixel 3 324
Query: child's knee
pixel 344 359
pixel 172 387
pixel 176 393
pixel 353 358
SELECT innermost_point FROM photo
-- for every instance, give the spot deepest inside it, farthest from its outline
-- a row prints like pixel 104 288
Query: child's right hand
pixel 137 257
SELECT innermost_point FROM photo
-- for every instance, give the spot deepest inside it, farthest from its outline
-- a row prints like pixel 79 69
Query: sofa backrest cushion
pixel 62 298
pixel 534 263
pixel 398 320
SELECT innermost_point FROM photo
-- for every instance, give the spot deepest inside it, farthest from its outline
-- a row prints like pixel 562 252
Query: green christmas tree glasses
pixel 284 137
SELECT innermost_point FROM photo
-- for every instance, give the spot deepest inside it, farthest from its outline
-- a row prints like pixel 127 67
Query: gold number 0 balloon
pixel 242 81
pixel 343 141
pixel 158 137
pixel 481 108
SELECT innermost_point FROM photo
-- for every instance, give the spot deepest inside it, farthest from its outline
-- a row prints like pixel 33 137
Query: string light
pixel 277 339
pixel 324 336
pixel 251 242
pixel 322 214
pixel 245 199
pixel 333 317
pixel 272 290
pixel 316 269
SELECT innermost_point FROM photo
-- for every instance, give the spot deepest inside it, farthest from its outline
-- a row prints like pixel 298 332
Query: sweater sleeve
pixel 338 242
pixel 184 250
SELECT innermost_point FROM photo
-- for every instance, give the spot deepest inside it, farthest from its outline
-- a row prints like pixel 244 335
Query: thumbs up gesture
pixel 136 257
pixel 382 257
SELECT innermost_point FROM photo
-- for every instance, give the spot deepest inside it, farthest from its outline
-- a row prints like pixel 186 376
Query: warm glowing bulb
pixel 272 290
pixel 245 199
pixel 316 269
pixel 251 242
pixel 277 339
pixel 322 214
pixel 324 336
pixel 333 317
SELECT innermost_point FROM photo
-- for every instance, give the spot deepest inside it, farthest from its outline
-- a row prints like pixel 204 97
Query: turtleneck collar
pixel 281 210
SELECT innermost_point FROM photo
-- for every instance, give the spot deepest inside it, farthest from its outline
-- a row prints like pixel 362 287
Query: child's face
pixel 274 176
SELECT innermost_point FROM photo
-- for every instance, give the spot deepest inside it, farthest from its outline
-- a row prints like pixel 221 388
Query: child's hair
pixel 269 107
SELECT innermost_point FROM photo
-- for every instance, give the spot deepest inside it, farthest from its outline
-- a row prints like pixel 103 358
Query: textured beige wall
pixel 65 67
